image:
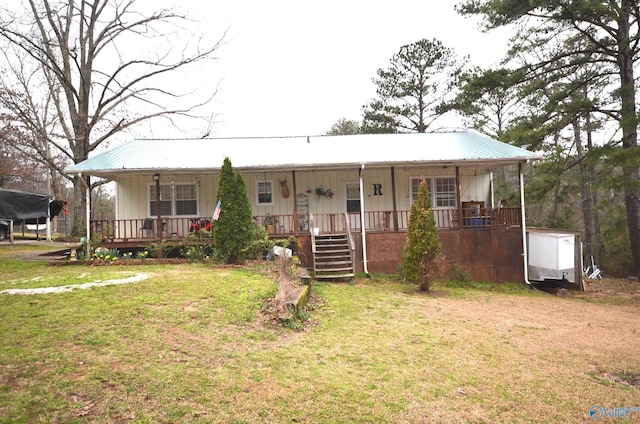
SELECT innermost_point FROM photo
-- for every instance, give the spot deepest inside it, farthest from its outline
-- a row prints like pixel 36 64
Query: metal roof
pixel 371 150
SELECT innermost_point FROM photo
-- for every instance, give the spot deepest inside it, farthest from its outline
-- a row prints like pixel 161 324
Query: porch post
pixel 88 211
pixel 393 194
pixel 48 223
pixel 459 199
pixel 362 224
pixel 493 200
pixel 523 224
pixel 156 177
pixel 295 204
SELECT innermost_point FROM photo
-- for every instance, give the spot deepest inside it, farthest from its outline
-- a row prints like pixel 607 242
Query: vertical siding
pixel 132 191
pixel 279 205
pixel 309 181
pixel 475 186
pixel 132 194
pixel 132 197
pixel 383 200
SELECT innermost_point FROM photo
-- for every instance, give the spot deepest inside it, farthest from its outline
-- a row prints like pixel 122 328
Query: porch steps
pixel 332 257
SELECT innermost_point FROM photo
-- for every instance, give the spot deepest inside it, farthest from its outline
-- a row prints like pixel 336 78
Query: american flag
pixel 216 212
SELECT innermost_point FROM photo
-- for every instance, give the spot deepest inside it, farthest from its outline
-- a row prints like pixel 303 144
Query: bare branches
pixel 100 66
pixel 76 44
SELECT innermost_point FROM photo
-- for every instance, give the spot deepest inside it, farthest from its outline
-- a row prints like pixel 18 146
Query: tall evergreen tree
pixel 344 126
pixel 487 100
pixel 411 90
pixel 234 229
pixel 423 244
pixel 611 37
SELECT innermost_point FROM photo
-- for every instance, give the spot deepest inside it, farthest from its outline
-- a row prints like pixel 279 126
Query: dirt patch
pixel 613 285
pixel 430 293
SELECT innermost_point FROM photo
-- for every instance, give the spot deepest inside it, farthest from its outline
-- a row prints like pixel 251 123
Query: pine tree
pixel 234 229
pixel 410 93
pixel 423 244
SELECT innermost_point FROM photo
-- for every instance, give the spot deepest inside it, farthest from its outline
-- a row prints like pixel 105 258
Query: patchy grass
pixel 188 345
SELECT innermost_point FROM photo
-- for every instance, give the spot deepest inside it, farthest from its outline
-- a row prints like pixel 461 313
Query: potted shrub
pixel 270 223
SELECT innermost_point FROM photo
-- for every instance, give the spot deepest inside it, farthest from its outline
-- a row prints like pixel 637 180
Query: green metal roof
pixel 371 150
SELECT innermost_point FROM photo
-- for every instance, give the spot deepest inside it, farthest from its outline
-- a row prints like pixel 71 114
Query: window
pixel 445 192
pixel 165 200
pixel 186 200
pixel 415 186
pixel 444 195
pixel 177 199
pixel 265 192
pixel 353 197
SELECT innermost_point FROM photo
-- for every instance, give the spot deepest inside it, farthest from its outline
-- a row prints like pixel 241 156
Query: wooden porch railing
pixel 375 221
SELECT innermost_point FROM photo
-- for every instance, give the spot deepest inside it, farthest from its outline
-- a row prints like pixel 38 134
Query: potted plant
pixel 321 192
pixel 270 223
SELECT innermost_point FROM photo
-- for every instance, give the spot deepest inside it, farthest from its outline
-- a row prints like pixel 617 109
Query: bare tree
pixel 80 72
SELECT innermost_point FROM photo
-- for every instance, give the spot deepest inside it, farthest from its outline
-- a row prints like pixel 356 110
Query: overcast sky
pixel 296 67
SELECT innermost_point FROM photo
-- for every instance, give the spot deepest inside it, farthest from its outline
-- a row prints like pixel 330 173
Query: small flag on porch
pixel 216 212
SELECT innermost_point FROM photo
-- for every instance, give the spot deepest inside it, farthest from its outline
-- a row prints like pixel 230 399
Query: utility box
pixel 552 256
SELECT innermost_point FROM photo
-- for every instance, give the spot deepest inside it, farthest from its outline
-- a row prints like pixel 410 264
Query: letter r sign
pixel 377 189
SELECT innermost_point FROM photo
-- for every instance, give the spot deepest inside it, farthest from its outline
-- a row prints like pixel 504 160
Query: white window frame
pixel 432 184
pixel 190 188
pixel 348 184
pixel 172 190
pixel 258 192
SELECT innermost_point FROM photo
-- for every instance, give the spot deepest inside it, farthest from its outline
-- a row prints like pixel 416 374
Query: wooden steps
pixel 332 257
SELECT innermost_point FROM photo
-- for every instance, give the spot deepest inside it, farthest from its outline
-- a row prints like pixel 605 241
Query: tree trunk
pixel 585 192
pixel 556 191
pixel 629 126
pixel 596 246
pixel 79 221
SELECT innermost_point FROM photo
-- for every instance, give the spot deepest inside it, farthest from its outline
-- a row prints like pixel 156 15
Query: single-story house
pixel 355 190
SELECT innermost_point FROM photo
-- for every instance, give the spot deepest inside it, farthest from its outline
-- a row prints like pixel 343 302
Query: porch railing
pixel 287 224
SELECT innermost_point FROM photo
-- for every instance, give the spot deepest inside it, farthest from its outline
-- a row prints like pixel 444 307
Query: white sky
pixel 295 67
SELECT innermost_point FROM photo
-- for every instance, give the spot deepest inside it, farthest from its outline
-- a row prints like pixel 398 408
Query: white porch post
pixel 523 224
pixel 362 224
pixel 48 224
pixel 87 212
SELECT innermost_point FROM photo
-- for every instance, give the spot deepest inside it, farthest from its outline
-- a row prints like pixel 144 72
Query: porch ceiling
pixel 323 152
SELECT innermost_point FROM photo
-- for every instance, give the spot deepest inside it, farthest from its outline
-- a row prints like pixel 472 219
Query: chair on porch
pixel 453 218
pixel 147 225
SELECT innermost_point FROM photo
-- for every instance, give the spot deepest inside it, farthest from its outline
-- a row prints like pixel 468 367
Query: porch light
pixel 156 177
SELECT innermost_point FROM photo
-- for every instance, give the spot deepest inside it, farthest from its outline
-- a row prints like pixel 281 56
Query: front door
pixel 352 191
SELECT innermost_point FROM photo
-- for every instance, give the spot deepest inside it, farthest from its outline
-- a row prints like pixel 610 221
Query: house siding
pixel 132 194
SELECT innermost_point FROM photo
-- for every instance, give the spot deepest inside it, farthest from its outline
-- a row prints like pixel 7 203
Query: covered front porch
pixel 470 216
pixel 486 243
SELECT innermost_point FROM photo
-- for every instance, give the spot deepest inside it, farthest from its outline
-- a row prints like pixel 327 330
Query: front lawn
pixel 189 344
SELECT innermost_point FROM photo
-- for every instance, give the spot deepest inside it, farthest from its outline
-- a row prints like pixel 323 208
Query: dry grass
pixel 188 346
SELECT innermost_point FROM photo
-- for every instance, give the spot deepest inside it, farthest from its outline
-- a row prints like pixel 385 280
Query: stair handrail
pixel 313 241
pixel 352 243
pixel 313 235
